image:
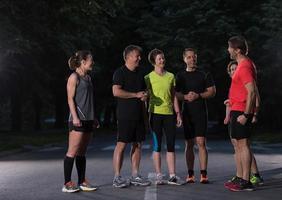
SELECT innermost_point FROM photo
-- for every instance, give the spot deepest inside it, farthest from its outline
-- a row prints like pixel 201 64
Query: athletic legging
pixel 159 124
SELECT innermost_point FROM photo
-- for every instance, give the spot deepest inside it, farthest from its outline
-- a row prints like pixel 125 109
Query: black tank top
pixel 83 99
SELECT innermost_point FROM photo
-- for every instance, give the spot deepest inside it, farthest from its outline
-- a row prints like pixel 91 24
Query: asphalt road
pixel 38 174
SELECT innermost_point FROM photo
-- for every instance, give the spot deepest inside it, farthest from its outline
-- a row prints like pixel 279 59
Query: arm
pixel 209 93
pixel 179 96
pixel 71 87
pixel 227 114
pixel 176 108
pixel 257 105
pixel 119 92
pixel 250 87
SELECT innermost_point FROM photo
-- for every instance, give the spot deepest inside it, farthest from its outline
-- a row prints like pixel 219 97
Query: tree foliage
pixel 37 37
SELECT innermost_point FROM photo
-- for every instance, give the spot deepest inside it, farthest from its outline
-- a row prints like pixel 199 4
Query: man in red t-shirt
pixel 242 96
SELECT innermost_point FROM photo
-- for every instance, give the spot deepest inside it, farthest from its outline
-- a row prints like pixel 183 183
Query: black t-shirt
pixel 130 81
pixel 196 81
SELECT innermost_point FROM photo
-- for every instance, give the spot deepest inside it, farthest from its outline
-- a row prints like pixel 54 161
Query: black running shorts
pixel 237 130
pixel 195 125
pixel 130 131
pixel 86 126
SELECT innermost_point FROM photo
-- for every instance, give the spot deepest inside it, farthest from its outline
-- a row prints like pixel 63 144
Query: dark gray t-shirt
pixel 84 99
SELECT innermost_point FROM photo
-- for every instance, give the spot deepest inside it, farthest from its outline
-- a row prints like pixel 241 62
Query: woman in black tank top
pixel 81 120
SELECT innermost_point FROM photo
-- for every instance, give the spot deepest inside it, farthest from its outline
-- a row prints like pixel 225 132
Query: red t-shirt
pixel 245 73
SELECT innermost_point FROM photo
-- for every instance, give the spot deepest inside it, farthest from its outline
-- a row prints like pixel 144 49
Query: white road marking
pixel 151 191
pixel 277 176
pixel 145 147
pixel 109 148
pixel 50 149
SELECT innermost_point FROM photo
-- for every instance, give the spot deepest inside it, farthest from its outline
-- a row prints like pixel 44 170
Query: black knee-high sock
pixel 80 162
pixel 68 165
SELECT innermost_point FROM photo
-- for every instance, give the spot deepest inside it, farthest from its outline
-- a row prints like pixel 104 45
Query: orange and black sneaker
pixel 204 179
pixel 190 179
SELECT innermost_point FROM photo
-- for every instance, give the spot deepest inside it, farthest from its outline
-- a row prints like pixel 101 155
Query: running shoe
pixel 175 180
pixel 243 185
pixel 119 182
pixel 190 179
pixel 234 180
pixel 70 187
pixel 86 186
pixel 256 180
pixel 139 181
pixel 204 179
pixel 160 180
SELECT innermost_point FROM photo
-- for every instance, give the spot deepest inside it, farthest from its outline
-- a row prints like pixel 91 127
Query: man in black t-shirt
pixel 193 86
pixel 129 89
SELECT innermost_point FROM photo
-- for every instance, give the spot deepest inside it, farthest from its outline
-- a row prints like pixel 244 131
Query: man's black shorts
pixel 130 131
pixel 237 130
pixel 195 125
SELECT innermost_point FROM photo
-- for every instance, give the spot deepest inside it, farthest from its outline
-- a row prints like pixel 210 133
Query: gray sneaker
pixel 139 181
pixel 175 180
pixel 119 182
pixel 160 180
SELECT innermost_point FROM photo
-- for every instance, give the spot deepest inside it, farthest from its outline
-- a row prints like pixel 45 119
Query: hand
pixel 226 102
pixel 145 97
pixel 242 119
pixel 191 96
pixel 96 123
pixel 140 95
pixel 226 120
pixel 254 119
pixel 178 120
pixel 76 122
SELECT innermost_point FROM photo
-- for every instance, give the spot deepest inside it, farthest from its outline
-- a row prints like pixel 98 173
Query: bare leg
pixel 245 157
pixel 118 157
pixel 135 155
pixel 75 140
pixel 203 154
pixel 170 158
pixel 157 161
pixel 239 170
pixel 189 154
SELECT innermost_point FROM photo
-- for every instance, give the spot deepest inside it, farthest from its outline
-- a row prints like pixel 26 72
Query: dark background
pixel 38 36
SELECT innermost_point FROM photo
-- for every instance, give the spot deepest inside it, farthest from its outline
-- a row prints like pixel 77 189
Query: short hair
pixel 75 60
pixel 189 49
pixel 239 42
pixel 131 48
pixel 233 62
pixel 153 54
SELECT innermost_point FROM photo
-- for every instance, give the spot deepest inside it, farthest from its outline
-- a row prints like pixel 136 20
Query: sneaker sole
pixel 120 186
pixel 161 183
pixel 87 189
pixel 204 182
pixel 241 190
pixel 140 184
pixel 173 183
pixel 190 181
pixel 69 191
pixel 258 184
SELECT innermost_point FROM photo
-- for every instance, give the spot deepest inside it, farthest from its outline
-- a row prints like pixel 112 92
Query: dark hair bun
pixel 74 62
